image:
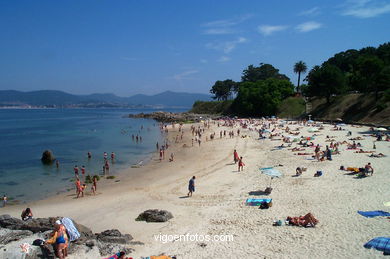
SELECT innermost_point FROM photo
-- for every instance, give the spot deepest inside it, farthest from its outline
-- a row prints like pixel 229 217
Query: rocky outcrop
pixel 47 157
pixel 113 236
pixel 173 117
pixel 8 235
pixel 14 232
pixel 155 216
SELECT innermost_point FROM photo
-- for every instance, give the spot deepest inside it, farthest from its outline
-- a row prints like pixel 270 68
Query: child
pixel 240 165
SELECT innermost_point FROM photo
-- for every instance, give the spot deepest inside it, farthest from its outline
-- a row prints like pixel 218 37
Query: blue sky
pixel 130 47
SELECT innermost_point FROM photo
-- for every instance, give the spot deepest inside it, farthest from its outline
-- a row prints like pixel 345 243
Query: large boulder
pixel 155 216
pixel 47 157
pixel 8 235
pixel 113 236
pixel 112 241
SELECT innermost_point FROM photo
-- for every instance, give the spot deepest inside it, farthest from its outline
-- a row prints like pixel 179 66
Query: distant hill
pixel 58 98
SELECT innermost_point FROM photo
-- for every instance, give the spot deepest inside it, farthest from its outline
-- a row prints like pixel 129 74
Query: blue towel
pixel 375 213
pixel 257 202
pixel 379 243
pixel 71 229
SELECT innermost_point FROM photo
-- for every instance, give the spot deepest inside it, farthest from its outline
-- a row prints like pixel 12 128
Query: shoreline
pixel 218 205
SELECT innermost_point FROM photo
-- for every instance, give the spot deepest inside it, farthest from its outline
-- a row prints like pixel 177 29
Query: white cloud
pixel 310 12
pixel 224 26
pixel 227 46
pixel 308 26
pixel 219 31
pixel 267 30
pixel 184 75
pixel 223 59
pixel 366 8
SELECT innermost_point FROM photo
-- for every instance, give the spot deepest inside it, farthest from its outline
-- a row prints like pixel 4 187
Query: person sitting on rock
pixel 27 214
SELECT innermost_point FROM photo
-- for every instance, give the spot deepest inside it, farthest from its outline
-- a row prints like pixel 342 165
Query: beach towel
pixel 375 213
pixel 257 202
pixel 73 233
pixel 379 243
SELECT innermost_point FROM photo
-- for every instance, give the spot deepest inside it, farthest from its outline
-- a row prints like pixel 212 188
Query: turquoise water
pixel 70 134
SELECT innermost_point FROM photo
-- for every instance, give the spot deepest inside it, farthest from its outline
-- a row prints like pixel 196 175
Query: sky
pixel 131 47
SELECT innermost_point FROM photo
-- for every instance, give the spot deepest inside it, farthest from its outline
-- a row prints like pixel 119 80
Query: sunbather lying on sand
pixel 297 149
pixel 306 221
pixel 303 154
pixel 377 155
pixel 362 151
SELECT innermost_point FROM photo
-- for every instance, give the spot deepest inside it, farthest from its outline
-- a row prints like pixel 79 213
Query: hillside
pixel 61 99
pixel 351 108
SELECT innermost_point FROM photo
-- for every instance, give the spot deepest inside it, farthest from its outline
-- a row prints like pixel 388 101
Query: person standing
pixel 191 186
pixel 83 170
pixel 5 200
pixel 235 156
pixel 76 170
pixel 240 165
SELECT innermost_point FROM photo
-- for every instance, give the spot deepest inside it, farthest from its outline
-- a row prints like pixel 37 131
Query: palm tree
pixel 299 67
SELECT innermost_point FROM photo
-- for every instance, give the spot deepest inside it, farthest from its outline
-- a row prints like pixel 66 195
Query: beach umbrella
pixel 339 119
pixel 379 243
pixel 310 121
pixel 381 129
pixel 271 172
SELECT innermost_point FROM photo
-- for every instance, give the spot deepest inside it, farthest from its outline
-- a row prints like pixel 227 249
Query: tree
pixel 299 67
pixel 222 90
pixel 326 81
pixel 261 98
pixel 263 72
pixel 369 69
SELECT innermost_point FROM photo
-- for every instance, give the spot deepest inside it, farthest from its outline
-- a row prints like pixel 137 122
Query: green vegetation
pixel 366 70
pixel 291 107
pixel 89 179
pixel 261 98
pixel 110 177
pixel 263 91
pixel 216 107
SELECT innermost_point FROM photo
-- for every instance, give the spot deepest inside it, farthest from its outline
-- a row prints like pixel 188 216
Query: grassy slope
pixel 353 108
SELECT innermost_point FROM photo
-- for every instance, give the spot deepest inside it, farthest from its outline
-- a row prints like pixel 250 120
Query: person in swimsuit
pixel 60 240
pixel 76 170
pixel 27 214
pixel 83 170
pixel 240 165
pixel 235 156
pixel 94 185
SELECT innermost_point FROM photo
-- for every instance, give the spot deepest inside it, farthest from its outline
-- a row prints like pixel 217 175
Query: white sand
pixel 218 205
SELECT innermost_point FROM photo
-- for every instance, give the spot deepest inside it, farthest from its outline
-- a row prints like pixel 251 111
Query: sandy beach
pixel 218 205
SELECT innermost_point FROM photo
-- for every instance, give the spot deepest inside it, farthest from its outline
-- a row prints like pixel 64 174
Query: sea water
pixel 70 134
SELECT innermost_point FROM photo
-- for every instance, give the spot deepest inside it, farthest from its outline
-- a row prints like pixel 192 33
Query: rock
pixel 110 248
pixel 155 216
pixel 111 241
pixel 113 236
pixel 173 117
pixel 8 235
pixel 47 157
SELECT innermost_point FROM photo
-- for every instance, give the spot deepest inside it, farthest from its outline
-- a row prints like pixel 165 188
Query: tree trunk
pixel 299 79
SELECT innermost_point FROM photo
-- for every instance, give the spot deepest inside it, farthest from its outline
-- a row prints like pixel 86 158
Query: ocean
pixel 70 134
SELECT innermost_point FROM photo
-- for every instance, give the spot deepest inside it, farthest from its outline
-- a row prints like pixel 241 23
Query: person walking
pixel 191 186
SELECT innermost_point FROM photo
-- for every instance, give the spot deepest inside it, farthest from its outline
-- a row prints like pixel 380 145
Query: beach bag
pixel 264 205
pixel 38 242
